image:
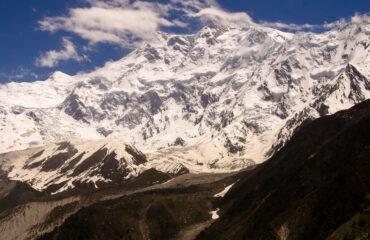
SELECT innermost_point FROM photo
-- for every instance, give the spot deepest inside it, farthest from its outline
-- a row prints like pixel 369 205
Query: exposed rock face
pixel 75 108
pixel 211 89
pixel 153 101
pixel 179 142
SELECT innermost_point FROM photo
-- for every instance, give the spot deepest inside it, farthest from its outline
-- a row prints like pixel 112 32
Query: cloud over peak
pixel 115 21
pixel 53 57
pixel 128 23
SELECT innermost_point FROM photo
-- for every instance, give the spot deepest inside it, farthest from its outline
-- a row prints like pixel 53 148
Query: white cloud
pixel 292 27
pixel 361 18
pixel 303 27
pixel 128 23
pixel 109 3
pixel 180 23
pixel 221 16
pixel 52 58
pixel 19 74
pixel 192 5
pixel 112 21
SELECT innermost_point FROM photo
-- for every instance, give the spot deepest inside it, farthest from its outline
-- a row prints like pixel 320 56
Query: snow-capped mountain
pixel 64 165
pixel 221 99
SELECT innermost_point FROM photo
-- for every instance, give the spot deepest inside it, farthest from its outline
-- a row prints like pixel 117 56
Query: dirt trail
pixel 182 181
pixel 143 225
pixel 192 231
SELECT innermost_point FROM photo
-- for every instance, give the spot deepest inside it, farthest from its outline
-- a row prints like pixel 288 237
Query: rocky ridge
pixel 232 95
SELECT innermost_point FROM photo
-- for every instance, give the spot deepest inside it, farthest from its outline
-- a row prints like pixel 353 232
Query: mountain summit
pixel 217 100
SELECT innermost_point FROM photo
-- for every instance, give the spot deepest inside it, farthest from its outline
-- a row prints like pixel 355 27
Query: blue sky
pixel 39 37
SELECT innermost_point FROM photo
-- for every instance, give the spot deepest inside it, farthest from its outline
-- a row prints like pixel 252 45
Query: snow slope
pixel 68 164
pixel 218 100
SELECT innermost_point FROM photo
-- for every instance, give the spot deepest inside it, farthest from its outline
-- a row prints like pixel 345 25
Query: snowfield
pixel 218 100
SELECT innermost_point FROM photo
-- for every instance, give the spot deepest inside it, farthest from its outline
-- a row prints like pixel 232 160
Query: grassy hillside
pixel 157 215
pixel 21 193
pixel 316 187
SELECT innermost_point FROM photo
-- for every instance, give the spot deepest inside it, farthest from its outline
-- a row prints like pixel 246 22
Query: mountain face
pixel 221 99
pixel 316 187
pixel 74 164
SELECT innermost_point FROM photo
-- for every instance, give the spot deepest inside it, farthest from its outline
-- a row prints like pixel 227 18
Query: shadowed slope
pixel 308 190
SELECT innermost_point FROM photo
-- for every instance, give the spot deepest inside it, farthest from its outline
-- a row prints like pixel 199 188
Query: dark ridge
pixel 55 187
pixel 323 110
pixel 178 96
pixel 309 189
pixel 354 74
pixel 83 184
pixel 75 108
pixel 38 154
pixel 6 185
pixel 56 161
pixel 182 171
pixel 163 215
pixel 59 212
pixel 233 148
pixel 303 124
pixel 111 169
pixel 104 131
pixel 151 54
pixel 175 40
pixel 162 212
pixel 97 157
pixel 33 165
pixel 72 163
pixel 20 194
pixel 153 99
pixel 207 99
pixel 63 145
pixel 179 142
pixel 139 158
pixel 147 178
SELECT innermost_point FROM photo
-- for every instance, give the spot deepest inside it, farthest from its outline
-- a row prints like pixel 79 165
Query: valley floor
pixel 188 198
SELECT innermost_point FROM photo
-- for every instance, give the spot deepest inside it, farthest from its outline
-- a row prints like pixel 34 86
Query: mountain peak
pixel 232 95
pixel 59 76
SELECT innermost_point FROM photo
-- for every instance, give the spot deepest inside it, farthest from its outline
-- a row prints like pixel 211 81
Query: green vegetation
pixel 316 187
pixel 59 212
pixel 101 221
pixel 147 178
pixel 166 216
pixel 162 215
pixel 155 214
pixel 357 228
